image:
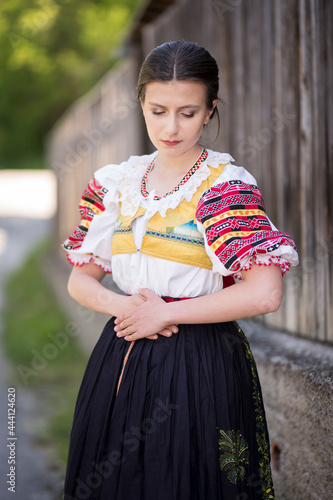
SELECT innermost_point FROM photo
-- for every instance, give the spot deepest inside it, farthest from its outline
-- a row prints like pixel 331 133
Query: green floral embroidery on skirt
pixel 234 455
pixel 263 447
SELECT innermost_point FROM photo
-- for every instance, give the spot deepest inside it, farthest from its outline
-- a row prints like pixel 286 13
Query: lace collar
pixel 130 187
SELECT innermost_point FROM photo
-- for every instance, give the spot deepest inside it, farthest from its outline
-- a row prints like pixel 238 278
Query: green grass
pixel 38 340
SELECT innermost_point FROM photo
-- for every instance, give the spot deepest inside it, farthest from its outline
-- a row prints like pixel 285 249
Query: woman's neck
pixel 177 164
pixel 168 171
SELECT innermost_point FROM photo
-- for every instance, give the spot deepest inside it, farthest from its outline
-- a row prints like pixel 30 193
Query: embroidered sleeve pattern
pixel 91 206
pixel 237 228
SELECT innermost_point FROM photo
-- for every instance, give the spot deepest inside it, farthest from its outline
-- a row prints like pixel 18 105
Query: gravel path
pixel 34 477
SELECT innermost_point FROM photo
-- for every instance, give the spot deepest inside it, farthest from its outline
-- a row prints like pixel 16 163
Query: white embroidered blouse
pixel 230 218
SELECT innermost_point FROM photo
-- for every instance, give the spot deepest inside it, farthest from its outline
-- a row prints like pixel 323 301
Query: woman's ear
pixel 214 104
pixel 210 112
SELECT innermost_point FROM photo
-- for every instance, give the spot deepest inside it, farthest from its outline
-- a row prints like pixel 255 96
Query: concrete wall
pixel 297 384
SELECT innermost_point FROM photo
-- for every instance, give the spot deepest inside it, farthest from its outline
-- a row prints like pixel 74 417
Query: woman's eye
pixel 190 115
pixel 158 112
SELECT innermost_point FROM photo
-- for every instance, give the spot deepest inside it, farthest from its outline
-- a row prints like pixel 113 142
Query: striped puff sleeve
pixel 237 232
pixel 99 209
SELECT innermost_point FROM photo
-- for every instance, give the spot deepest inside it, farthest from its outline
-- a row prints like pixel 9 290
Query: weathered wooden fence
pixel 276 84
pixel 105 126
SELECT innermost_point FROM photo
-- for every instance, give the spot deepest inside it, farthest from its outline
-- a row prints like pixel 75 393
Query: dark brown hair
pixel 181 60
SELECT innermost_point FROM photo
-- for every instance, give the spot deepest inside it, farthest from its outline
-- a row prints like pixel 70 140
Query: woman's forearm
pixel 84 286
pixel 243 300
pixel 259 293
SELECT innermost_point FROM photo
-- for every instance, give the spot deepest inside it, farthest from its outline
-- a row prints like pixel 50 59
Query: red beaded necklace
pixel 186 177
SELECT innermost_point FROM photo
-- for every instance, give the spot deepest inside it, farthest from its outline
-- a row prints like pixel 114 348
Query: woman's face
pixel 175 113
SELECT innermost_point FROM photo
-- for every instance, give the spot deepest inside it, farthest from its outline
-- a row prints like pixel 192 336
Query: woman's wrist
pixel 119 304
pixel 165 313
pixel 122 303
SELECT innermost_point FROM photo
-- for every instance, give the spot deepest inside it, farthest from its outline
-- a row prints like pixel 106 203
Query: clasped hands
pixel 145 319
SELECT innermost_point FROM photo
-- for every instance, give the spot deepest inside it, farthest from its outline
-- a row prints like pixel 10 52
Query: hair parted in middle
pixel 181 60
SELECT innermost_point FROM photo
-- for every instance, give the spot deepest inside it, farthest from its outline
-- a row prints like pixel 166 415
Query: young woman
pixel 170 406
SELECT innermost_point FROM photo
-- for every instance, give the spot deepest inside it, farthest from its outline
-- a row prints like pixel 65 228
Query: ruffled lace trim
pixel 130 187
pixel 79 260
pixel 264 261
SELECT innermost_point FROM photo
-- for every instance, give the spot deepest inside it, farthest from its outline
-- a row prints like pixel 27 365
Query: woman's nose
pixel 172 125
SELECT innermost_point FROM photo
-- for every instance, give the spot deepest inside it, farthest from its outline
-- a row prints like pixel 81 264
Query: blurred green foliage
pixel 51 52
pixel 32 319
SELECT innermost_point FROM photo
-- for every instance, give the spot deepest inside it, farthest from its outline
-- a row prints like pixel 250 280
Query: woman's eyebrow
pixel 181 107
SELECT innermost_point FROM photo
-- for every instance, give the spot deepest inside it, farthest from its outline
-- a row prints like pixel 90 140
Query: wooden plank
pixel 307 320
pixel 274 181
pixel 320 192
pixel 237 118
pixel 287 126
pixel 326 9
pixel 221 52
pixel 268 163
pixel 252 102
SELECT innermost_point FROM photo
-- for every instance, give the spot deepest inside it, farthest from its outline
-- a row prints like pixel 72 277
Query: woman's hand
pixel 143 321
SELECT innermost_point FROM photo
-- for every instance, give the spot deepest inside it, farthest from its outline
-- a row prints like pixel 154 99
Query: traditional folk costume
pixel 177 418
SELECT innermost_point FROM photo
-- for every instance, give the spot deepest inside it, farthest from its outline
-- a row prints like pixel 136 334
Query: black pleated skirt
pixel 187 422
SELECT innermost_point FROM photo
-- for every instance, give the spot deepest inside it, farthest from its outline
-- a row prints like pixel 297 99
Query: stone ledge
pixel 315 359
pixel 297 383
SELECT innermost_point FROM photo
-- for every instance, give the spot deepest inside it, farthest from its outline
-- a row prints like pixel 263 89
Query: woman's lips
pixel 171 143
